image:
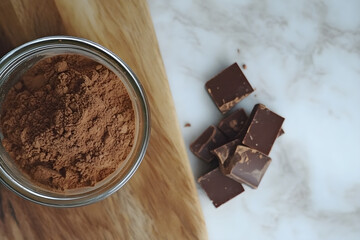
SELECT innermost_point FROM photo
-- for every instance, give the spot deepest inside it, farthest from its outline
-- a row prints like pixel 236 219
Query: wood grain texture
pixel 160 201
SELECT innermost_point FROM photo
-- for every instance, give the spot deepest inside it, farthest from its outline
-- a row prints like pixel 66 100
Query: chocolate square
pixel 219 188
pixel 262 128
pixel 210 139
pixel 232 124
pixel 228 88
pixel 246 166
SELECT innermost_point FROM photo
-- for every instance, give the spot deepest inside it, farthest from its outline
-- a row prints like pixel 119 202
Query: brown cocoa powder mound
pixel 68 123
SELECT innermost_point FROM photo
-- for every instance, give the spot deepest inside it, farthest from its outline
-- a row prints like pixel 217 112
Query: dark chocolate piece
pixel 219 188
pixel 262 128
pixel 246 166
pixel 228 88
pixel 210 139
pixel 232 124
pixel 225 151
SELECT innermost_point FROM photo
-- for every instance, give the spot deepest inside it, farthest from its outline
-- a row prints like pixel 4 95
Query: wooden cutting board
pixel 160 201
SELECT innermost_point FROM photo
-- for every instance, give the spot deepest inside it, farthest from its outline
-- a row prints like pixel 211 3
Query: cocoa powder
pixel 68 123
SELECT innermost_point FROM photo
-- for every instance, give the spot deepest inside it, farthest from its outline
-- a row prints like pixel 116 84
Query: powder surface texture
pixel 68 123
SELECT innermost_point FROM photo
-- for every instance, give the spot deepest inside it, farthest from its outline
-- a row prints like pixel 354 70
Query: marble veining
pixel 303 59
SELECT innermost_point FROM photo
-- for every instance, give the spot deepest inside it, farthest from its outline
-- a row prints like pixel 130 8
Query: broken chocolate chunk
pixel 226 151
pixel 232 124
pixel 228 88
pixel 219 188
pixel 210 139
pixel 281 132
pixel 262 128
pixel 246 166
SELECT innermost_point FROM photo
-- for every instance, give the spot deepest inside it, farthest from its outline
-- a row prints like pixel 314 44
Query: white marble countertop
pixel 303 58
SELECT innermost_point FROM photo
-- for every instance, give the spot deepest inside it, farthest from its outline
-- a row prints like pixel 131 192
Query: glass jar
pixel 14 64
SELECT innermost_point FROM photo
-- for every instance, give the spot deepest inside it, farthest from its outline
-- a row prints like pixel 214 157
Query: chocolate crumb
pixel 244 66
pixel 187 125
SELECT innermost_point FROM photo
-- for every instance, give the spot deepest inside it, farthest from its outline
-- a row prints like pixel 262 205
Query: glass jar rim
pixel 102 52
